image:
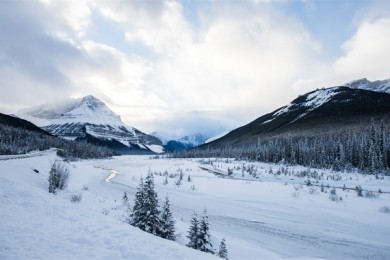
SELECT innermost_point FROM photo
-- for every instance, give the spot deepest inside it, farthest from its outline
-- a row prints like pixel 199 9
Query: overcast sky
pixel 181 67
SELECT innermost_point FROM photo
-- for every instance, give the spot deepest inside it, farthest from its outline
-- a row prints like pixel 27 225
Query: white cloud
pixel 75 14
pixel 238 61
pixel 366 54
pixel 160 26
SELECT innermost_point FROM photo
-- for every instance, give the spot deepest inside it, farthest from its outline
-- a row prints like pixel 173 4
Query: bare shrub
pixel 312 190
pixel 76 198
pixel 385 209
pixel 370 194
pixel 295 194
pixel 359 191
pixel 334 197
pixel 58 177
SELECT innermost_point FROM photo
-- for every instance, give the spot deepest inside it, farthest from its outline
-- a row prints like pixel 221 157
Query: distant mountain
pixel 185 142
pixel 90 119
pixel 11 120
pixel 378 86
pixel 163 138
pixel 323 111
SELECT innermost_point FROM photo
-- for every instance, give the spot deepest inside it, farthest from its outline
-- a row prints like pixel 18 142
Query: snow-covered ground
pixel 264 211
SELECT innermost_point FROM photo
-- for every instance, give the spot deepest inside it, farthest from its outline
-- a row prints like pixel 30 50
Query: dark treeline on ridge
pixel 367 151
pixel 15 140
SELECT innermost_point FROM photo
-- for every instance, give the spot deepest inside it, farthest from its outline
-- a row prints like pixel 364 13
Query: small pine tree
pixel 167 224
pixel 125 199
pixel 359 191
pixel 180 178
pixel 204 240
pixel 165 180
pixel 189 178
pixel 193 232
pixel 151 206
pixel 138 213
pixel 222 252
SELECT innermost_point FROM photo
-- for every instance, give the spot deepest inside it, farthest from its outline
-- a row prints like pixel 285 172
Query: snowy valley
pixel 309 180
pixel 264 211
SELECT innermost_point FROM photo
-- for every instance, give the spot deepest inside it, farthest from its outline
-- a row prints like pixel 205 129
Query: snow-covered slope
pixel 262 214
pixel 328 110
pixel 378 85
pixel 38 225
pixel 89 118
pixel 319 97
pixel 306 103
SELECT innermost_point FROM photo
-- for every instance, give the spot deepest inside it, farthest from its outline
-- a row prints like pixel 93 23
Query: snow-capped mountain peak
pixel 88 109
pixel 378 85
pixel 89 118
pixel 194 139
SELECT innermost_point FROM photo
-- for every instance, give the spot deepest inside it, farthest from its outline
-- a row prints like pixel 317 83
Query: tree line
pixel 367 151
pixel 20 141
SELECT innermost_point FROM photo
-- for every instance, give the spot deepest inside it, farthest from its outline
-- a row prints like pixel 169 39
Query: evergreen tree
pixel 138 214
pixel 204 241
pixel 167 225
pixel 150 205
pixel 222 252
pixel 193 232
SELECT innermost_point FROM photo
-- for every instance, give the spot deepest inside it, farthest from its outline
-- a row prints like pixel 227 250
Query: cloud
pixel 210 68
pixel 32 60
pixel 239 59
pixel 366 54
pixel 159 25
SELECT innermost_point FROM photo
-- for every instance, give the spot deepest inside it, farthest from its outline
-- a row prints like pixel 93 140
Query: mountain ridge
pixel 89 119
pixel 327 110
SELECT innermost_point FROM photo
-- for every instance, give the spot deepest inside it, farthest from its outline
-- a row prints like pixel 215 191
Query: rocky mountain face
pixel 320 112
pixel 90 119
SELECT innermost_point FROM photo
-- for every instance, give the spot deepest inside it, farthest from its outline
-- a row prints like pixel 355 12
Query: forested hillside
pixel 14 140
pixel 368 151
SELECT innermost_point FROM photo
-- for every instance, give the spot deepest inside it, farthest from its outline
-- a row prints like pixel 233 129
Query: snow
pixel 155 148
pixel 71 117
pixel 282 110
pixel 319 97
pixel 379 85
pixel 267 215
pixel 83 110
pixel 39 225
pixel 313 100
pixel 194 139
